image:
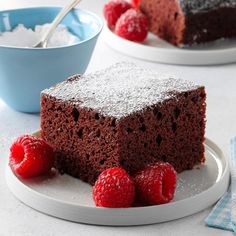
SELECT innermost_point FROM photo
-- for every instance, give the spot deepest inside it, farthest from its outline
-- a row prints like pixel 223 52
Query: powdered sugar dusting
pixel 119 90
pixel 195 6
pixel 134 20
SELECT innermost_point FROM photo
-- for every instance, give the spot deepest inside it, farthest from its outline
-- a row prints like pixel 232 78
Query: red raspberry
pixel 155 184
pixel 113 10
pixel 114 188
pixel 135 3
pixel 132 25
pixel 30 156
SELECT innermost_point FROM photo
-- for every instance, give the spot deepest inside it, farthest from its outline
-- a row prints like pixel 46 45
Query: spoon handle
pixel 57 20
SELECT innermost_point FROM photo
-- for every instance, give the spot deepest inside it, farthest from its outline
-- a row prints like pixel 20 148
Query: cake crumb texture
pixel 188 22
pixel 164 119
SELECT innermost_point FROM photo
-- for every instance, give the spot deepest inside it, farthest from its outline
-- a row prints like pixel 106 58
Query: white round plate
pixel 68 198
pixel 158 50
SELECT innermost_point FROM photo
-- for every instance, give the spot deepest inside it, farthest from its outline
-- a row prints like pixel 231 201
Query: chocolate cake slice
pixel 187 22
pixel 123 116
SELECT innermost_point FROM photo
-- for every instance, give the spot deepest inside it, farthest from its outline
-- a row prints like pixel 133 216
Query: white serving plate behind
pixel 157 50
pixel 68 198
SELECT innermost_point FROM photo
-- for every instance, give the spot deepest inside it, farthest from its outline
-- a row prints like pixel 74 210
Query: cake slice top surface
pixel 195 6
pixel 119 90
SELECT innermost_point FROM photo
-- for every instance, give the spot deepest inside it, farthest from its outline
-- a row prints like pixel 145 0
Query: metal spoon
pixel 44 41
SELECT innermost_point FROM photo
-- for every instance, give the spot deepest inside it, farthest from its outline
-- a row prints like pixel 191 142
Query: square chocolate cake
pixel 124 116
pixel 187 22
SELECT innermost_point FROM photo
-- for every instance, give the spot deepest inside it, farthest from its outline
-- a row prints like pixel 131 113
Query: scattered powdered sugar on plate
pixel 195 6
pixel 119 90
pixel 63 187
pixel 21 36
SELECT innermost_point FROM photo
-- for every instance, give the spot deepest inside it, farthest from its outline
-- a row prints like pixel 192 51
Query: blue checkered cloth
pixel 223 215
pixel 220 216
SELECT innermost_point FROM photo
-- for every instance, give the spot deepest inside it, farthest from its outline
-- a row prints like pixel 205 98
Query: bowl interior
pixel 81 23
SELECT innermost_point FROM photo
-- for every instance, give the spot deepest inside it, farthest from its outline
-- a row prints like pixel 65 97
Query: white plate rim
pixel 176 56
pixel 97 215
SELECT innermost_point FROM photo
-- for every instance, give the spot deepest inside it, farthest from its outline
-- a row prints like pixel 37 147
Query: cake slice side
pixel 85 142
pixel 166 19
pixel 172 131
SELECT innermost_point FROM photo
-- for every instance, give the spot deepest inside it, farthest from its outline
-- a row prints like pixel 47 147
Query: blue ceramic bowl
pixel 25 72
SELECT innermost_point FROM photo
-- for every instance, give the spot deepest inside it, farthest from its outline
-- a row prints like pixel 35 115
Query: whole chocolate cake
pixel 187 22
pixel 123 116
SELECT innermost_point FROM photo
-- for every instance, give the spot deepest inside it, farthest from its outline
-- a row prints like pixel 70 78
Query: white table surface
pixel 220 81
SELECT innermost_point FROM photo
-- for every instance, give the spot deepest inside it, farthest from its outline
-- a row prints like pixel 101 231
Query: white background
pixel 220 82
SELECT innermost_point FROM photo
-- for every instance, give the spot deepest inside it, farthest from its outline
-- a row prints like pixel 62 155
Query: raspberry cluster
pixel 153 185
pixel 126 20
